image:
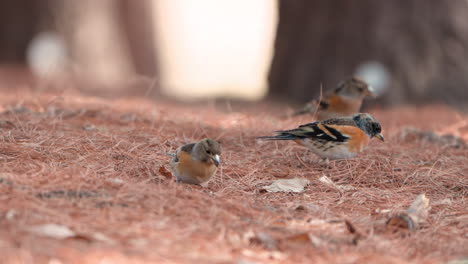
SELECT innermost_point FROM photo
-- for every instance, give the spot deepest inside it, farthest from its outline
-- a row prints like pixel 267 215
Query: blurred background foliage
pixel 411 51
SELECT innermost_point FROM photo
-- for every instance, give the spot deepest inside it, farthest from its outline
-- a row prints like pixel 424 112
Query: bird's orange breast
pixel 358 139
pixel 199 170
pixel 343 106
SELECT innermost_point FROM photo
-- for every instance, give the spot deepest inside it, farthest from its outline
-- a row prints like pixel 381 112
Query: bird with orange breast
pixel 196 163
pixel 345 100
pixel 335 138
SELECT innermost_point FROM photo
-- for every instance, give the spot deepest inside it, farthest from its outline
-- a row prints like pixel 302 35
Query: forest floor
pixel 85 180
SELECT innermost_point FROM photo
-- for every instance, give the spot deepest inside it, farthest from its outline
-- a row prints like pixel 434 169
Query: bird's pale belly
pixel 337 150
pixel 193 172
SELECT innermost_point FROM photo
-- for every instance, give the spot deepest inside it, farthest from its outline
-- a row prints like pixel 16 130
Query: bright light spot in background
pixel 46 54
pixel 375 74
pixel 213 47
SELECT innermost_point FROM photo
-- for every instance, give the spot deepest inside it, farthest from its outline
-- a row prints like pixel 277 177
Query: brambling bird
pixel 196 163
pixel 345 100
pixel 336 138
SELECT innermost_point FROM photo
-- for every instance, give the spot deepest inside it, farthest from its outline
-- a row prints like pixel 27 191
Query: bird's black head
pixel 369 124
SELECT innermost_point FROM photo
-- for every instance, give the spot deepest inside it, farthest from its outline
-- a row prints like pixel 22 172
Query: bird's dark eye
pixel 376 128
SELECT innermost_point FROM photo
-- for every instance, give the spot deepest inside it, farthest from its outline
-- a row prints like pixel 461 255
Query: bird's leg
pixel 326 161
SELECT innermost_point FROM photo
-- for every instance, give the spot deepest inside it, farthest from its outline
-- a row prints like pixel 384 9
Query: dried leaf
pixel 89 127
pixel 459 261
pixel 264 239
pixel 419 209
pixel 164 172
pixel 415 215
pixel 400 222
pixel 53 231
pixel 304 238
pixel 62 232
pixel 246 261
pixel 11 214
pixel 268 256
pixel 328 181
pixel 382 211
pixel 102 238
pixel 287 185
pixel 352 229
pixel 116 181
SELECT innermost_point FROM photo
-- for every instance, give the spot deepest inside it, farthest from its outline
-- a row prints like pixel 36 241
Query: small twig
pixel 352 229
pixel 414 216
pixel 301 161
pixel 319 101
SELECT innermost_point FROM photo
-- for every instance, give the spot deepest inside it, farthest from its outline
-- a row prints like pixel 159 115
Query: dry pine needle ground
pixel 99 167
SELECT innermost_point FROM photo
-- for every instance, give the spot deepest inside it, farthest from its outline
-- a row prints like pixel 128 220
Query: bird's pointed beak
pixel 216 160
pixel 371 92
pixel 380 136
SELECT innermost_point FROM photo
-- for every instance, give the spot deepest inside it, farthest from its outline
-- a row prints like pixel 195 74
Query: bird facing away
pixel 336 138
pixel 345 100
pixel 196 163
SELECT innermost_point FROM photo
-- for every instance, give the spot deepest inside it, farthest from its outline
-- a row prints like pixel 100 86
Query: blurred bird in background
pixel 345 100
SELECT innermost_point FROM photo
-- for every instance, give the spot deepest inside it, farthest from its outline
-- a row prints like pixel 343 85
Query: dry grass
pixel 93 165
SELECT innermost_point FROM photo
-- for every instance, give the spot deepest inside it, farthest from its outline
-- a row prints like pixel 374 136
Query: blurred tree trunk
pixel 95 38
pixel 423 44
pixel 138 29
pixel 18 24
pixel 111 44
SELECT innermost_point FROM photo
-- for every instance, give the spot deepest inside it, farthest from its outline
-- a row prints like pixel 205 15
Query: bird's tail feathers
pixel 282 135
